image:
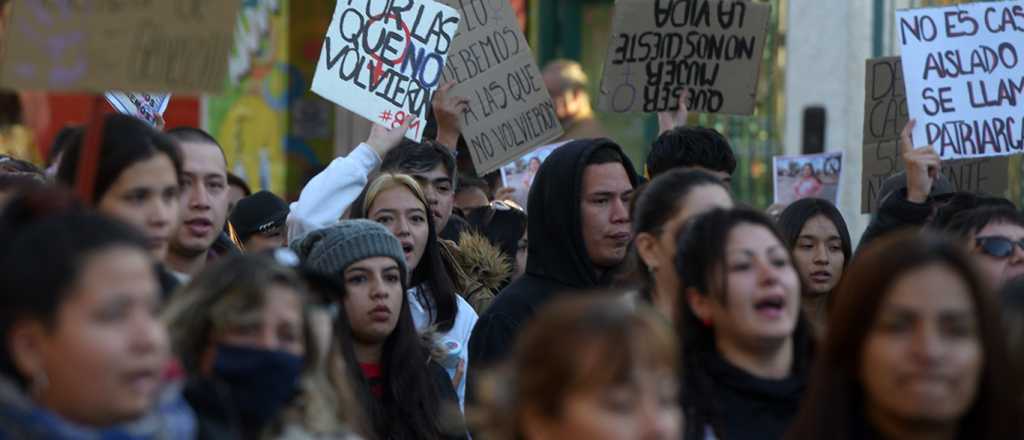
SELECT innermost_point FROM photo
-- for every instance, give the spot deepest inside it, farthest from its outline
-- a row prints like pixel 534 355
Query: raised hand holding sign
pixel 922 165
pixel 964 76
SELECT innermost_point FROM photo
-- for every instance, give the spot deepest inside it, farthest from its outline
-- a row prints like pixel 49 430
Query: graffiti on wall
pixel 250 117
pixel 311 118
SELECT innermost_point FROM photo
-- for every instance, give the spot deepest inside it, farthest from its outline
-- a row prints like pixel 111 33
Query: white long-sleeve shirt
pixel 324 200
pixel 328 194
pixel 460 332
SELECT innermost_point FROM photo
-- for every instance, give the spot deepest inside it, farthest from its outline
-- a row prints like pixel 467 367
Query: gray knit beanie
pixel 330 250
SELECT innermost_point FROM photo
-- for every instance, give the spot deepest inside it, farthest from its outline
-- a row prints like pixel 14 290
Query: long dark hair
pixel 47 240
pixel 834 405
pixel 411 405
pixel 792 220
pixel 700 262
pixel 654 204
pixel 432 270
pixel 795 216
pixel 126 141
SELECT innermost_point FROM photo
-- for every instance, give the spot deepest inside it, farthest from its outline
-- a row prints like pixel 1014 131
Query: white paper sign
pixel 383 59
pixel 964 71
pixel 145 106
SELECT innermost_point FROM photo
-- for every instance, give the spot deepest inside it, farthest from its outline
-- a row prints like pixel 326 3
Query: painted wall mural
pixel 310 144
pixel 250 117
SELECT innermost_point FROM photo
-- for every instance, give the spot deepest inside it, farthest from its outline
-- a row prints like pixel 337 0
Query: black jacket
pixel 453 426
pixel 452 231
pixel 735 404
pixel 557 260
pixel 896 213
pixel 216 412
pixel 755 408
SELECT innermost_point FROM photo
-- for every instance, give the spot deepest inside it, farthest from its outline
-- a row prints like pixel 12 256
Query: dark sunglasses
pixel 996 246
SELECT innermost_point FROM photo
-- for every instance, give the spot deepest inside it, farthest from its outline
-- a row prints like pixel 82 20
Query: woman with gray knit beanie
pixel 398 202
pixel 376 330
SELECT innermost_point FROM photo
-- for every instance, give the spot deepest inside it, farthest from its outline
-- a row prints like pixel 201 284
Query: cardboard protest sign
pixel 808 176
pixel 170 45
pixel 520 173
pixel 510 111
pixel 144 106
pixel 885 114
pixel 661 48
pixel 965 77
pixel 383 60
pixel 885 100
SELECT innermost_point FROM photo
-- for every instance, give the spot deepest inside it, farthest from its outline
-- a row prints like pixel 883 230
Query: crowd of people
pixel 400 298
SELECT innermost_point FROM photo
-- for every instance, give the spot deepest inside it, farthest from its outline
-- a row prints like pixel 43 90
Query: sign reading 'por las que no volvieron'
pixel 383 59
pixel 964 70
pixel 170 45
pixel 510 112
pixel 661 48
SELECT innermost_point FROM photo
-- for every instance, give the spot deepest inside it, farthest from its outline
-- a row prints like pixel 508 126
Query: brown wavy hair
pixel 834 405
pixel 584 341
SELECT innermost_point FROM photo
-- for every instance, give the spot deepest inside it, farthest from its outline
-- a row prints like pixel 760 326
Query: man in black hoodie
pixel 579 230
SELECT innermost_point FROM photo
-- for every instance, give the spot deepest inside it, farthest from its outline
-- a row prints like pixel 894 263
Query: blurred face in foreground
pixel 99 362
pixel 922 359
pixel 646 407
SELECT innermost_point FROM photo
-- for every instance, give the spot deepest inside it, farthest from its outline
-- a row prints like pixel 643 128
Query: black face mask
pixel 261 381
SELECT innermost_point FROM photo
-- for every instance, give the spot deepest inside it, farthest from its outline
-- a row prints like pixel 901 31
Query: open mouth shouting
pixel 771 307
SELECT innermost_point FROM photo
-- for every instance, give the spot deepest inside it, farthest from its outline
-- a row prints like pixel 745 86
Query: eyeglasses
pixel 998 247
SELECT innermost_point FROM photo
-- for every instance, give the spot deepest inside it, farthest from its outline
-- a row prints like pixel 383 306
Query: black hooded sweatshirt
pixel 558 260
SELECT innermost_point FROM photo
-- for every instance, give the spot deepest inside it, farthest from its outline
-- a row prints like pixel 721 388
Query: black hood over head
pixel 556 247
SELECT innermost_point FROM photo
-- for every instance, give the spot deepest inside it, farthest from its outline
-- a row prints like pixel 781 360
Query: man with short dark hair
pixel 994 237
pixel 433 167
pixel 567 84
pixel 204 203
pixel 579 231
pixel 692 148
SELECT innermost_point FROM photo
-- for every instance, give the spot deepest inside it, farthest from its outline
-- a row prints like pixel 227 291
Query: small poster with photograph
pixel 145 106
pixel 519 174
pixel 813 175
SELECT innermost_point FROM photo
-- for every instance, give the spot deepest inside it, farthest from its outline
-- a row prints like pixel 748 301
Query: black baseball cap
pixel 260 212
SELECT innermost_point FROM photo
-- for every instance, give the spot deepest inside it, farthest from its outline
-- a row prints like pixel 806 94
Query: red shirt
pixel 372 373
